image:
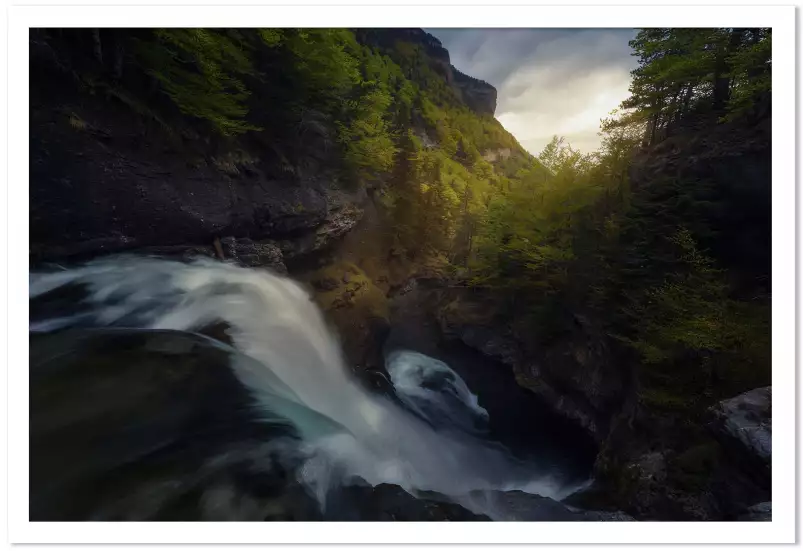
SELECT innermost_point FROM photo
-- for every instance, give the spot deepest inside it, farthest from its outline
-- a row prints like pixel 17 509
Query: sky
pixel 549 81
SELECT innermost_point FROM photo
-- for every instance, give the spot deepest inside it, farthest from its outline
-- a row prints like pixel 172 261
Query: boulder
pixel 746 422
pixel 761 512
pixel 388 502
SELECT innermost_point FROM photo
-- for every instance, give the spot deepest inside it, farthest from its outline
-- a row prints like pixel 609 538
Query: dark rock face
pixel 761 512
pixel 521 506
pixel 249 253
pixel 111 186
pixel 574 375
pixel 478 94
pixel 519 419
pixel 129 425
pixel 387 502
pixel 334 226
pixel 711 472
pixel 746 421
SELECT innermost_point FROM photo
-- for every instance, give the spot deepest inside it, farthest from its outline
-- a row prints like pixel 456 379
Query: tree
pixel 201 71
pixel 685 70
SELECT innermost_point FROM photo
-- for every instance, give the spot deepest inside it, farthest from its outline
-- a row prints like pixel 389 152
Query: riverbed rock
pixel 388 502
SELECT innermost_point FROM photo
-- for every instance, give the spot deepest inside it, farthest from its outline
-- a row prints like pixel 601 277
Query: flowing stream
pixel 433 438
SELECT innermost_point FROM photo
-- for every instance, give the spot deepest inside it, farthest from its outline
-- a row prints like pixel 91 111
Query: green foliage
pixel 569 234
pixel 201 71
pixel 688 312
pixel 750 72
pixel 366 137
pixel 320 66
pixel 682 71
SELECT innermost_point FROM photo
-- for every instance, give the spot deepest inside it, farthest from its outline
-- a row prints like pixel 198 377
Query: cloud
pixel 549 81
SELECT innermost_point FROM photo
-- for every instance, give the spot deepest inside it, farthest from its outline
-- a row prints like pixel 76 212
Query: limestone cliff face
pixel 478 94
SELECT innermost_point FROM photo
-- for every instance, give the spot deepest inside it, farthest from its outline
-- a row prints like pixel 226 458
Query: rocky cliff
pixel 477 94
pixel 110 173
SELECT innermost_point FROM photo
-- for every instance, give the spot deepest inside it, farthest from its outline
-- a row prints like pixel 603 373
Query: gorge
pixel 304 274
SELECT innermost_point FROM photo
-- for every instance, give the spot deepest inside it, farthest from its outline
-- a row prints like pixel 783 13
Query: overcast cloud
pixel 549 81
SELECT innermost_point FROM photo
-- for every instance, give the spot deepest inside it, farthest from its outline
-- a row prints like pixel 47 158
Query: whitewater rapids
pixel 291 362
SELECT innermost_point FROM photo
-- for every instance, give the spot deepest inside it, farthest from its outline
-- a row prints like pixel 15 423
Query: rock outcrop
pixel 477 94
pixel 521 506
pixel 746 422
pixel 574 376
pixel 92 195
pixel 760 512
pixel 388 502
pixel 249 253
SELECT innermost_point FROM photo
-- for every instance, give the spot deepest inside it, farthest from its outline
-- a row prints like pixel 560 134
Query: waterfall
pixel 431 439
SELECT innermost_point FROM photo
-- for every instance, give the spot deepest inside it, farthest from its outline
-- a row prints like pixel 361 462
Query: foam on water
pixel 293 366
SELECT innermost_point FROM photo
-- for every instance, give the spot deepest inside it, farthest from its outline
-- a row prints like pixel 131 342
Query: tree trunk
pixel 684 110
pixel 470 245
pixel 752 40
pixel 721 78
pixel 654 127
pixel 673 113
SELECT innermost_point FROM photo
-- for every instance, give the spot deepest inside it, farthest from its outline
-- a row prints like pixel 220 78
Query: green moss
pixel 691 470
pixel 354 291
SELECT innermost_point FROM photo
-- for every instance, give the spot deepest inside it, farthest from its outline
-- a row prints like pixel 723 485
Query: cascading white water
pixel 433 390
pixel 293 355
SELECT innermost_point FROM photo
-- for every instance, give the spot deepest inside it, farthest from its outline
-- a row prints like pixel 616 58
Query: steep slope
pixel 176 137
